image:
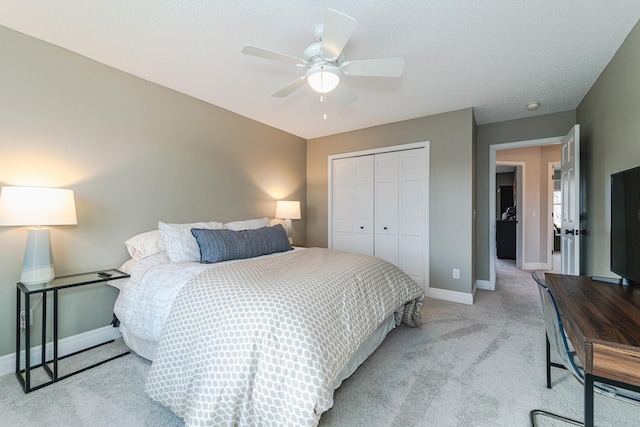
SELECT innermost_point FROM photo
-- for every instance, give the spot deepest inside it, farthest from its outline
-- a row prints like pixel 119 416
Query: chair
pixel 557 340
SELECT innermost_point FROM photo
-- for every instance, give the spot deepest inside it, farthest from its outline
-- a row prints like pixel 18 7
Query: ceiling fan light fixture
pixel 323 78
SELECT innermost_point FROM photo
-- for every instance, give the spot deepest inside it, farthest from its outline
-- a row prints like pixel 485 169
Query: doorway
pixel 509 224
pixel 525 216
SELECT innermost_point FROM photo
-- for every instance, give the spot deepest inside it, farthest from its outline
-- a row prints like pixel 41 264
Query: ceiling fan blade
pixel 338 28
pixel 270 54
pixel 291 87
pixel 388 67
pixel 343 94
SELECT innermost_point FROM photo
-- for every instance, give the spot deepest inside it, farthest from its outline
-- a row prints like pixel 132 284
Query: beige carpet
pixel 479 365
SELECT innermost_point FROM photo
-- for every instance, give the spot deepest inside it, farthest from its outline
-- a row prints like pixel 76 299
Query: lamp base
pixel 287 228
pixel 37 266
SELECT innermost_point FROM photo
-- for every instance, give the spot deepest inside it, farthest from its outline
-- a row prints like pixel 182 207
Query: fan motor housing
pixel 313 55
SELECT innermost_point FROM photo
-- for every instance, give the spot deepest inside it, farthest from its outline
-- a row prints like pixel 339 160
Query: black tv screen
pixel 625 225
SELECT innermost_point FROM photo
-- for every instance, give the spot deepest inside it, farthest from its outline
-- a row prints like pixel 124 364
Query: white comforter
pixel 145 298
pixel 259 342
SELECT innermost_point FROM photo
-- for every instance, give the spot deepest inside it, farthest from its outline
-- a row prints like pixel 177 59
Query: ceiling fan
pixel 325 61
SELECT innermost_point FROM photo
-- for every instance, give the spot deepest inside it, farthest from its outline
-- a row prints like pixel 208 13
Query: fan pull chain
pixel 325 106
pixel 323 100
pixel 323 96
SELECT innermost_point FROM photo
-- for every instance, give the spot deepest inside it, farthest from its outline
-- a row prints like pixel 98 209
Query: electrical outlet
pixel 456 273
pixel 23 319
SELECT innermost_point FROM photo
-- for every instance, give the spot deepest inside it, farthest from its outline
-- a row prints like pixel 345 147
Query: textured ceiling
pixel 492 55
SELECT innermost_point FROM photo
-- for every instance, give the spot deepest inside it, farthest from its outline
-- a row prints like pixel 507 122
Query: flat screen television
pixel 625 225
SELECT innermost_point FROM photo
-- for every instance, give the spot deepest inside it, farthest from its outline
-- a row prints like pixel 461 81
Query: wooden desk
pixel 602 321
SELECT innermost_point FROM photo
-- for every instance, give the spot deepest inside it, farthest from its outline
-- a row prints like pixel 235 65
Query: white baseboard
pixel 65 346
pixel 485 285
pixel 452 296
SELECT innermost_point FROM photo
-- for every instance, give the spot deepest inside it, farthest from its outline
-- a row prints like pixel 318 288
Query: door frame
pixel 551 190
pixel 493 148
pixel 388 149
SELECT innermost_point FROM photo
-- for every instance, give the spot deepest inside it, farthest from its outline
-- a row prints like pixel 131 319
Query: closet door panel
pixel 342 217
pixel 412 206
pixel 386 166
pixel 352 228
pixel 386 213
pixel 363 219
pixel 363 205
pixel 412 263
pixel 386 207
pixel 387 248
pixel 342 204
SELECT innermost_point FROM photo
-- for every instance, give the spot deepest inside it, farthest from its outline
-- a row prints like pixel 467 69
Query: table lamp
pixel 37 206
pixel 288 210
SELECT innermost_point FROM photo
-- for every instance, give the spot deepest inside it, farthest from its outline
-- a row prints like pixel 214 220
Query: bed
pixel 262 340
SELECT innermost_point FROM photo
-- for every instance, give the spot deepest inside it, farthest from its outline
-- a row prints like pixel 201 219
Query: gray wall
pixel 134 153
pixel 544 126
pixel 450 183
pixel 610 124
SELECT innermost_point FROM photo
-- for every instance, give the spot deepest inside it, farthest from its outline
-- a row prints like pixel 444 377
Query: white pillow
pixel 249 224
pixel 180 243
pixel 145 244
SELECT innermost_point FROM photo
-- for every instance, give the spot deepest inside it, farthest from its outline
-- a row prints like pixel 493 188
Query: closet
pixel 378 206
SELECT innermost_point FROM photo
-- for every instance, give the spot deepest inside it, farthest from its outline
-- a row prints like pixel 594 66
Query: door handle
pixel 385 228
pixel 361 228
pixel 576 232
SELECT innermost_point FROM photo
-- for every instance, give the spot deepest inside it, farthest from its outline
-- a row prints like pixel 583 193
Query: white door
pixel 412 230
pixel 570 184
pixel 386 202
pixel 352 204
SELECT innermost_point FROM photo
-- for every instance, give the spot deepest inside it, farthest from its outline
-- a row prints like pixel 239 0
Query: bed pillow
pixel 145 244
pixel 249 224
pixel 180 243
pixel 225 245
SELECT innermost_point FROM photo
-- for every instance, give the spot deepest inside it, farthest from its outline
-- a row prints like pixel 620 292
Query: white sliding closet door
pixel 379 206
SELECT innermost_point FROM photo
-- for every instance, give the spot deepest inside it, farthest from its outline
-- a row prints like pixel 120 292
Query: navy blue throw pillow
pixel 225 245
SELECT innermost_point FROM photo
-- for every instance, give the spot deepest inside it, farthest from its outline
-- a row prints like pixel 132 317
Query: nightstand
pixel 50 366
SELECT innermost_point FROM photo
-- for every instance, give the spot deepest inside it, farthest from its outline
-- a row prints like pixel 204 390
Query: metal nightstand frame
pixel 63 282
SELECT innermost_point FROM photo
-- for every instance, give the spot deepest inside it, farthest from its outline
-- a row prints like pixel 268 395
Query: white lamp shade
pixel 37 206
pixel 288 209
pixel 323 78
